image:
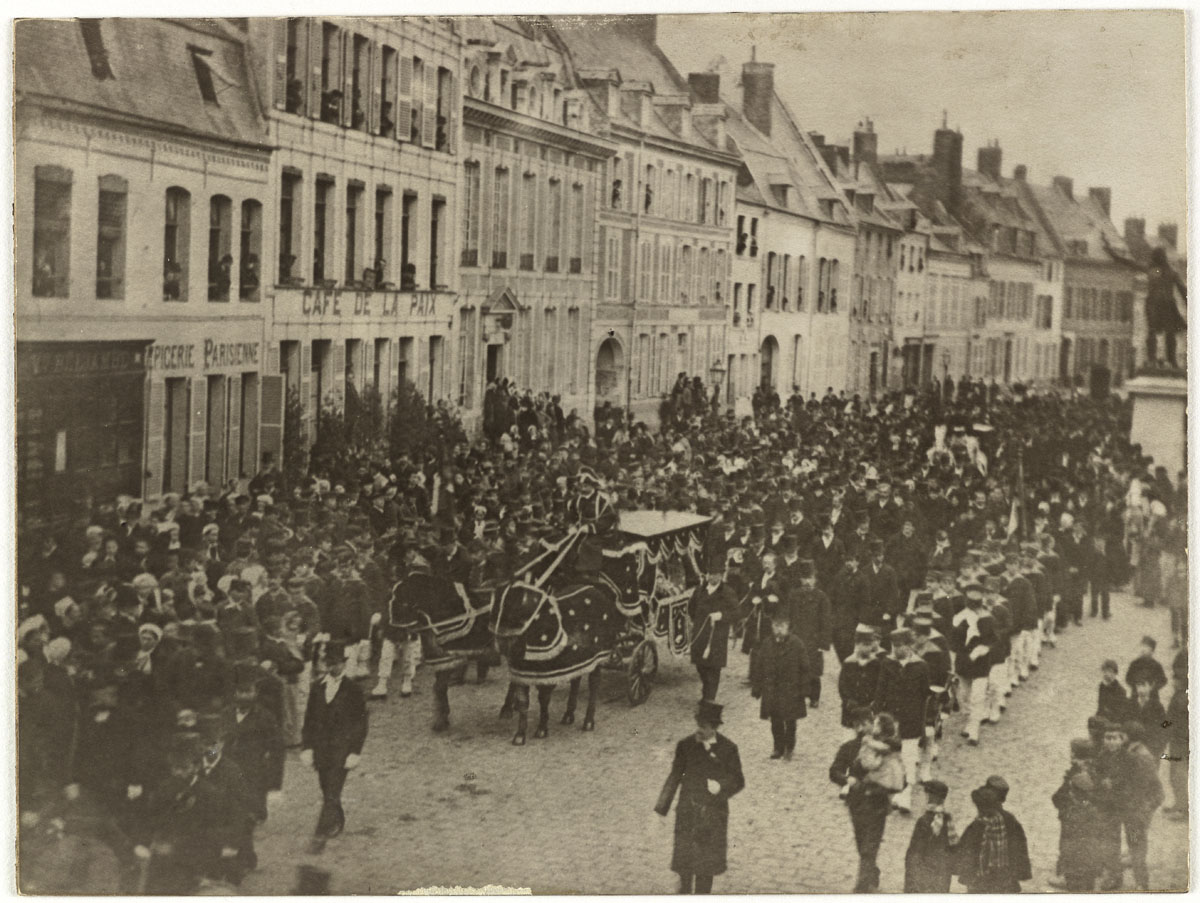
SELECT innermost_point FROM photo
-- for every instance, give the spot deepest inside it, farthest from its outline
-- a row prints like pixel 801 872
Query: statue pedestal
pixel 1160 419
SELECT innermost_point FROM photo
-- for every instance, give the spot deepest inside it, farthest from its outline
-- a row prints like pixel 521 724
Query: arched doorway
pixel 610 361
pixel 769 358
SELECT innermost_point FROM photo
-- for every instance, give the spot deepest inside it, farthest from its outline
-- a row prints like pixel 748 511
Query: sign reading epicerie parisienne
pixel 213 355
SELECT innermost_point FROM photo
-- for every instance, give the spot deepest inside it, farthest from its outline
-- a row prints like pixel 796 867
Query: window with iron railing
pixel 110 238
pixel 51 232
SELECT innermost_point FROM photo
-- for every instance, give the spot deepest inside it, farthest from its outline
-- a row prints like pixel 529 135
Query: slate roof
pixel 1079 219
pixel 153 75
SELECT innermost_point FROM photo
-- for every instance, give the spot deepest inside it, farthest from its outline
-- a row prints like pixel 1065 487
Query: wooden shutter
pixel 156 407
pixel 316 30
pixel 233 451
pixel 429 107
pixel 452 105
pixel 273 358
pixel 601 261
pixel 627 262
pixel 271 417
pixel 375 72
pixel 307 405
pixel 368 364
pixel 339 371
pixel 215 462
pixel 199 406
pixel 280 30
pixel 404 105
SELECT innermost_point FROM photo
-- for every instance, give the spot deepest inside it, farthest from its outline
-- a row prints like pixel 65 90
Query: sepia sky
pixel 1096 96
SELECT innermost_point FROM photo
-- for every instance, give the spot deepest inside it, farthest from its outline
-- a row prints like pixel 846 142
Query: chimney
pixel 947 166
pixel 829 153
pixel 706 86
pixel 818 139
pixel 646 27
pixel 1065 185
pixel 989 161
pixel 843 153
pixel 1103 197
pixel 1168 233
pixel 1020 171
pixel 1135 230
pixel 866 142
pixel 758 93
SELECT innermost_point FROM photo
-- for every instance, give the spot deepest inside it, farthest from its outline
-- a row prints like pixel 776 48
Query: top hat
pixel 709 713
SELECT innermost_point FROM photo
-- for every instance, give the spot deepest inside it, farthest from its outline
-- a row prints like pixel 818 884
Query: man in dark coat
pixel 827 552
pixel 846 594
pixel 706 771
pixel 883 603
pixel 811 622
pixel 335 728
pixel 858 681
pixel 1146 669
pixel 780 681
pixel 713 606
pixel 904 694
pixel 255 740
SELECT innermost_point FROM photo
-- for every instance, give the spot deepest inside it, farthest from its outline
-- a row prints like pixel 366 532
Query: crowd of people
pixel 173 649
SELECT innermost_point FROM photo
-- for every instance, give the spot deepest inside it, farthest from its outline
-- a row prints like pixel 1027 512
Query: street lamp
pixel 718 374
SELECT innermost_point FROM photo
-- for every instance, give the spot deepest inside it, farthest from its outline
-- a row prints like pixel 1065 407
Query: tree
pixel 409 426
pixel 295 447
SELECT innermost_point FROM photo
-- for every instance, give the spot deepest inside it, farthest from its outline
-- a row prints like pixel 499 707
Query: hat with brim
pixel 709 713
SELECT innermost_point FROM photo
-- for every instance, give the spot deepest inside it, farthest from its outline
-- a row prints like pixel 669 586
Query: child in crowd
pixel 929 862
pixel 1079 843
pixel 1112 701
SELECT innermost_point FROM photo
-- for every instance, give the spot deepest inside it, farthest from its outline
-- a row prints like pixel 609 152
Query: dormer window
pixel 204 78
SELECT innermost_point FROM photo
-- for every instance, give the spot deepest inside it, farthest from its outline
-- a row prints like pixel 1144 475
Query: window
pixel 528 204
pixel 220 260
pixel 722 192
pixel 801 280
pixel 742 236
pixel 704 276
pixel 822 277
pixel 554 237
pixel 176 232
pixel 204 78
pixel 705 199
pixel 500 219
pixel 437 214
pixel 648 190
pixel 289 227
pixel 472 214
pixel 751 304
pixel 110 238
pixel 359 64
pixel 331 73
pixel 378 273
pixel 51 232
pixel 387 91
pixel 754 236
pixel 785 302
pixel 737 303
pixel 645 271
pixel 689 198
pixel 93 41
pixel 250 248
pixel 293 75
pixel 408 269
pixel 771 277
pixel 1069 302
pixel 445 103
pixel 685 274
pixel 718 277
pixel 354 193
pixel 666 265
pixel 321 213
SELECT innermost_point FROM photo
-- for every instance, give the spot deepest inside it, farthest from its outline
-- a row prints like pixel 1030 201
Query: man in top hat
pixel 335 729
pixel 974 634
pixel 904 694
pixel 255 740
pixel 706 772
pixel 590 509
pixel 847 592
pixel 712 607
pixel 858 680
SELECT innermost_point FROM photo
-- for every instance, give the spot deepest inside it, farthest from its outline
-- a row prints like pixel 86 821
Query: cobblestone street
pixel 572 813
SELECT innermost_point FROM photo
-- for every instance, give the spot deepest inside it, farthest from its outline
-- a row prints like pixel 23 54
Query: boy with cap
pixel 1112 703
pixel 929 862
pixel 780 680
pixel 1078 842
pixel 904 694
pixel 335 729
pixel 858 680
pixel 974 635
pixel 706 772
